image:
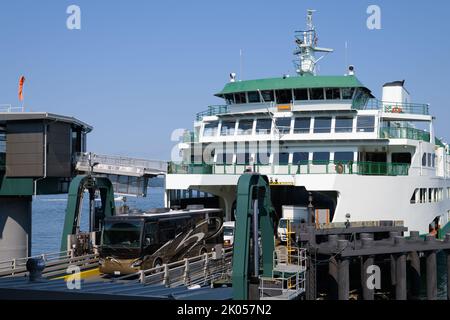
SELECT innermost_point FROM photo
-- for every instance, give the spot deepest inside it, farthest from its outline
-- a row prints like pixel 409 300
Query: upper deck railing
pixel 307 167
pixel 395 107
pixel 10 108
pixel 212 111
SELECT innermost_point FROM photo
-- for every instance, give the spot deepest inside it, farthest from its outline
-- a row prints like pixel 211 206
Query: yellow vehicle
pixel 142 241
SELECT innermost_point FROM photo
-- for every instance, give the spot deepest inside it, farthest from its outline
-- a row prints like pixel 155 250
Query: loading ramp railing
pixel 56 264
pixel 200 270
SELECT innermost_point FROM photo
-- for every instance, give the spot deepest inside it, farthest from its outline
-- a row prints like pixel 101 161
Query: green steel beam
pixel 74 202
pixel 251 187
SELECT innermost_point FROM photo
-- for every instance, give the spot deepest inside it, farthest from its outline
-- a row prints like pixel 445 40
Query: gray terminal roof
pixel 26 116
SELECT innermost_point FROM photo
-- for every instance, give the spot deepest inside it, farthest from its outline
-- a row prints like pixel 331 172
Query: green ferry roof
pixel 295 82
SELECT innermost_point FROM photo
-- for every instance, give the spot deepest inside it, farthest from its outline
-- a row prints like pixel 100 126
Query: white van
pixel 228 233
pixel 293 214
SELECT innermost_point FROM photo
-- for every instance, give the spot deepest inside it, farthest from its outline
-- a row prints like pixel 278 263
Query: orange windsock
pixel 21 82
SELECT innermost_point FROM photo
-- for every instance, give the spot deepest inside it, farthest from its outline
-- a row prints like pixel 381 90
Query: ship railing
pixel 404 133
pixel 212 111
pixel 199 270
pixel 10 108
pixel 305 167
pixel 395 107
pixel 56 263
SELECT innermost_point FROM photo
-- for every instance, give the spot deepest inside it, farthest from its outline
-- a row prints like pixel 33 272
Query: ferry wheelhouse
pixel 321 140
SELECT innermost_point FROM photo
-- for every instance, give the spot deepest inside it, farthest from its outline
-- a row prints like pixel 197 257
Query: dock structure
pixel 357 254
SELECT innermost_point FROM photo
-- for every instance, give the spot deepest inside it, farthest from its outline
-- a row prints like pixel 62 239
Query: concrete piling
pixel 447 252
pixel 343 273
pixel 431 271
pixel 367 261
pixel 414 275
pixel 333 277
pixel 400 271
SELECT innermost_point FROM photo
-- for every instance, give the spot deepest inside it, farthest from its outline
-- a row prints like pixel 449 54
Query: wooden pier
pixel 345 261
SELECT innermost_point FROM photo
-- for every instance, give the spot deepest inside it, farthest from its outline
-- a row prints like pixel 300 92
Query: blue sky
pixel 137 70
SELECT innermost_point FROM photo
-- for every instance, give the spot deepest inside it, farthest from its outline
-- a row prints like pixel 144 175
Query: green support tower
pixel 253 208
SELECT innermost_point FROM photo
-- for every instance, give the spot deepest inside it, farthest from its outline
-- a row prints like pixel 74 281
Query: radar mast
pixel 306 41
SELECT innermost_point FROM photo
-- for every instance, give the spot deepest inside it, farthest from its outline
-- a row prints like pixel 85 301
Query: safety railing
pixel 307 167
pixel 395 107
pixel 10 108
pixel 404 133
pixel 55 264
pixel 288 276
pixel 212 111
pixel 120 162
pixel 199 270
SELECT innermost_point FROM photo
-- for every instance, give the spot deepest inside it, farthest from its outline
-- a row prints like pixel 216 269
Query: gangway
pixel 128 175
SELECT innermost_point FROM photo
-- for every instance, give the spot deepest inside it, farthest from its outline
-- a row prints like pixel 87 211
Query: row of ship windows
pixel 429 160
pixel 282 158
pixel 289 95
pixel 429 195
pixel 300 125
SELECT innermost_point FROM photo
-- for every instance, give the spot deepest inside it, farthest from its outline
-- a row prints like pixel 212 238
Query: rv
pixel 141 241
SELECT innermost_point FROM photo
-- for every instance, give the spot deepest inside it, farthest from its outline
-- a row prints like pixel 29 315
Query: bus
pixel 142 241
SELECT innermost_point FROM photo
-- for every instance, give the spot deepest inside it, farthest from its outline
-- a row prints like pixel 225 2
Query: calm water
pixel 49 213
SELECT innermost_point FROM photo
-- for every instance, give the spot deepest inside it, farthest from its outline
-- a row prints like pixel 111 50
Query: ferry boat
pixel 324 141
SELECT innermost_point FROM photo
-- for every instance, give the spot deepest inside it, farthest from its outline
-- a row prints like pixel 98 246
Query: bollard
pixel 343 273
pixel 400 271
pixel 333 240
pixel 414 274
pixel 367 261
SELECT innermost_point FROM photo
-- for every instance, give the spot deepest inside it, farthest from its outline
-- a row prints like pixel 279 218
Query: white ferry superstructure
pixel 324 137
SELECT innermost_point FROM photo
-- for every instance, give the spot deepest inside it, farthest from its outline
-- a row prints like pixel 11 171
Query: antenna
pixel 241 72
pixel 306 42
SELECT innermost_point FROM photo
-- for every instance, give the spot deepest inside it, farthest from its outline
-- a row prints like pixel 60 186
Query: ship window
pixel 301 94
pixel 433 161
pixel 347 93
pixel 322 125
pixel 229 98
pixel 210 129
pixel 245 127
pixel 224 158
pixel 253 97
pixel 402 157
pixel 262 158
pixel 300 157
pixel 283 125
pixel 333 93
pixel 413 197
pixel 344 124
pixel 267 95
pixel 284 96
pixel 321 157
pixel 429 159
pixel 316 94
pixel 243 158
pixel 430 195
pixel 302 125
pixel 366 124
pixel 424 160
pixel 228 128
pixel 343 157
pixel 240 97
pixel 281 158
pixel 263 126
